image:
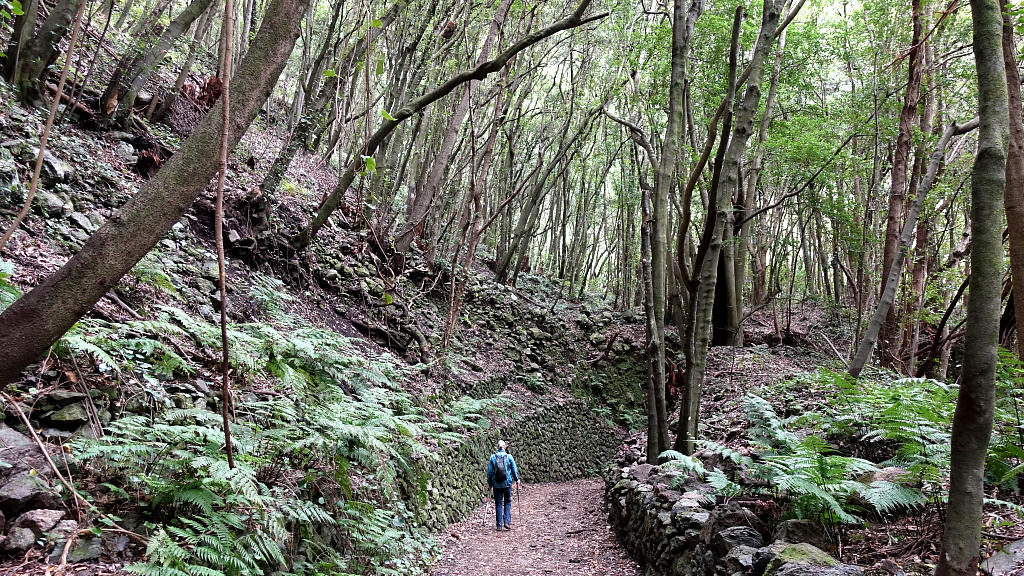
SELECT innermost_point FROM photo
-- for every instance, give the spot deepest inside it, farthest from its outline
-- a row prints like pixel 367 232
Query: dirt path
pixel 562 531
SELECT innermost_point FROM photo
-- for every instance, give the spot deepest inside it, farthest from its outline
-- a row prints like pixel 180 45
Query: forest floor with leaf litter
pixel 562 530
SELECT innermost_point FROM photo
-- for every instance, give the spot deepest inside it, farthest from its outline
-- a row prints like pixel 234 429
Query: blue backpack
pixel 500 469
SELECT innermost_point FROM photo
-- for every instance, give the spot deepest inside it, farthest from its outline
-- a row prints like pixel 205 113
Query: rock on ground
pixel 562 532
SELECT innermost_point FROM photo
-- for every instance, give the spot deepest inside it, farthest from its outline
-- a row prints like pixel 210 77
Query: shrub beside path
pixel 562 531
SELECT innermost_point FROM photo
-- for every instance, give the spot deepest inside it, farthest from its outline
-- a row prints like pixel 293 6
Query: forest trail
pixel 562 530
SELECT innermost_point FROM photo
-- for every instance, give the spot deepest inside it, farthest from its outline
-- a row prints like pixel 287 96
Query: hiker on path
pixel 502 473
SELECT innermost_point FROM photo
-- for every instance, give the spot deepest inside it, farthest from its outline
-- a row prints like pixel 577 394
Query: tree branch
pixel 575 20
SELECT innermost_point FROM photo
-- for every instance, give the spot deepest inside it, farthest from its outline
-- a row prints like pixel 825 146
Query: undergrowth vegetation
pixel 879 446
pixel 324 438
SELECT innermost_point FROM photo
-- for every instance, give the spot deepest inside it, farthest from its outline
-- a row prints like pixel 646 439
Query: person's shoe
pixel 508 527
pixel 498 529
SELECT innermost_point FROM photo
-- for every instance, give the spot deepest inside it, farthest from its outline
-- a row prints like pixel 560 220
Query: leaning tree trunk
pixel 369 147
pixel 37 319
pixel 972 421
pixel 1013 192
pixel 198 36
pixel 892 282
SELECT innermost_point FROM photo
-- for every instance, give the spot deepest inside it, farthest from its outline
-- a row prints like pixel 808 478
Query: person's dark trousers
pixel 503 506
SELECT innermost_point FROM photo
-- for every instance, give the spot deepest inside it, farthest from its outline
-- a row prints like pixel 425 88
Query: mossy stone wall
pixel 551 441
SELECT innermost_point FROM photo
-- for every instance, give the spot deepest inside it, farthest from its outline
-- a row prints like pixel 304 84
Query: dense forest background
pixel 380 209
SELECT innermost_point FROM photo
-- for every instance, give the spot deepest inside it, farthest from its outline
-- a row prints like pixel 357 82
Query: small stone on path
pixel 562 531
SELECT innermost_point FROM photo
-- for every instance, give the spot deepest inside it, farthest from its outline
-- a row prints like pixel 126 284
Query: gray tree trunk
pixel 1013 192
pixel 132 73
pixel 28 72
pixel 889 334
pixel 720 205
pixel 972 421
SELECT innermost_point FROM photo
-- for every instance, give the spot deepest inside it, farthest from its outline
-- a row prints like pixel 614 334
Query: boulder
pixel 22 455
pixel 52 203
pixel 785 559
pixel 85 549
pixel 82 221
pixel 39 521
pixel 127 152
pixel 723 542
pixel 739 559
pixel 1005 560
pixel 25 491
pixel 641 472
pixel 59 399
pixel 64 528
pixel 11 439
pixel 732 514
pixel 54 170
pixel 18 540
pixel 72 415
pixel 114 543
pixel 82 549
pixel 797 531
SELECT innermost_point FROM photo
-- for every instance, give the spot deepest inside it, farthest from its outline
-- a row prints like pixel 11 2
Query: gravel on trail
pixel 562 530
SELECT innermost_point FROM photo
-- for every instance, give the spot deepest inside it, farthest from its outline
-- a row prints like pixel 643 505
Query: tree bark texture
pixel 972 420
pixel 1013 192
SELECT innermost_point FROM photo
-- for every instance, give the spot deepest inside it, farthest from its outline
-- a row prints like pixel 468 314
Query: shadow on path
pixel 561 530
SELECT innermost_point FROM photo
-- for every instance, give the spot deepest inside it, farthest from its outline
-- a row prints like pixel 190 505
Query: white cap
pixel 501 444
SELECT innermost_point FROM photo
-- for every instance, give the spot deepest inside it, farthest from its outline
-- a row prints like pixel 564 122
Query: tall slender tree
pixel 972 420
pixel 1013 192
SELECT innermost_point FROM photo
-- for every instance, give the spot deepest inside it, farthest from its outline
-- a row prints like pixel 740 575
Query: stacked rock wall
pixel 674 526
pixel 553 441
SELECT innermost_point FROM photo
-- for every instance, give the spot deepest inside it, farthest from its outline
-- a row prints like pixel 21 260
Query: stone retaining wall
pixel 553 441
pixel 675 526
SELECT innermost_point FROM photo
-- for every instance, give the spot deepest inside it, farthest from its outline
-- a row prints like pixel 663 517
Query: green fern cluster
pixel 469 413
pixel 910 416
pixel 129 348
pixel 292 480
pixel 820 482
pixel 1005 464
pixel 315 487
pixel 907 419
